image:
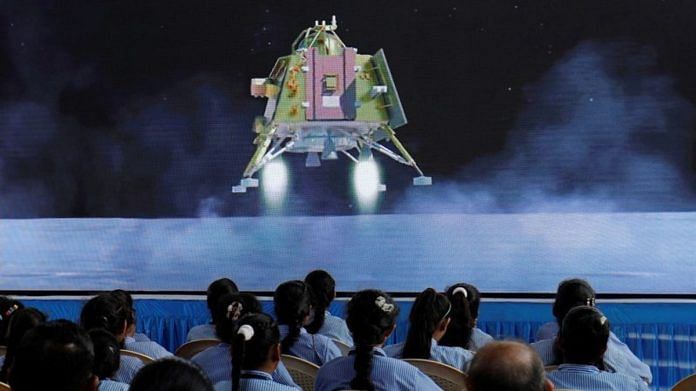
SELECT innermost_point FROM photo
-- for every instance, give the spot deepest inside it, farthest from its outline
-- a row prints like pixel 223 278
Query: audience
pixel 507 366
pixel 428 322
pixel 583 341
pixel 171 374
pixel 618 357
pixel 371 318
pixel 462 332
pixel 292 308
pixel 21 321
pixel 107 359
pixel 7 307
pixel 56 356
pixel 216 289
pixel 322 288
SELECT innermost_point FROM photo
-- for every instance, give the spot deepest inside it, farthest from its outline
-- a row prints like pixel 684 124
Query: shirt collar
pixel 265 375
pixel 578 368
pixel 376 351
pixel 285 329
pixel 129 339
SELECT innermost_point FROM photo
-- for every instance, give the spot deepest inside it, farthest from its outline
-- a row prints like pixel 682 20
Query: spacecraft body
pixel 324 99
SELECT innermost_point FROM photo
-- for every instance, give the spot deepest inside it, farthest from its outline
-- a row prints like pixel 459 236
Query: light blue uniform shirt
pixel 110 385
pixel 203 331
pixel 149 348
pixel 316 348
pixel 478 339
pixel 388 374
pixel 453 356
pixel 255 381
pixel 618 358
pixel 216 362
pixel 547 331
pixel 140 337
pixel 127 369
pixel 335 328
pixel 588 377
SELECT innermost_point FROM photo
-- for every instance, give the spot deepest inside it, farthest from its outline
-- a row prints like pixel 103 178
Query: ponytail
pixel 464 298
pixel 363 369
pixel 292 306
pixel 322 288
pixel 428 311
pixel 244 333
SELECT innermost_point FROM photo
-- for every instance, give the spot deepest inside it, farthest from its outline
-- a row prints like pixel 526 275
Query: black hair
pixel 322 288
pixel 22 321
pixel 127 300
pixel 251 354
pixel 583 336
pixel 506 366
pixel 292 306
pixel 371 314
pixel 572 293
pixel 57 355
pixel 429 309
pixel 105 311
pixel 217 289
pixel 171 374
pixel 465 300
pixel 107 353
pixel 229 308
pixel 7 307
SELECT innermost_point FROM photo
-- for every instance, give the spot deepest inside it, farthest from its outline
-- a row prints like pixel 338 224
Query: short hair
pixel 56 355
pixel 171 374
pixel 506 366
pixel 584 335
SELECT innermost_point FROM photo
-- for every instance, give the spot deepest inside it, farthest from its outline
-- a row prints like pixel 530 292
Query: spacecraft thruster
pixel 324 99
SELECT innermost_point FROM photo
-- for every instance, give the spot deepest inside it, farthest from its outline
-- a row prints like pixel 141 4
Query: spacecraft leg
pixel 260 158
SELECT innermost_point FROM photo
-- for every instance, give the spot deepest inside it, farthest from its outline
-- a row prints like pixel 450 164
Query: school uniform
pixel 203 331
pixel 149 348
pixel 335 328
pixel 453 356
pixel 110 385
pixel 216 362
pixel 255 381
pixel 127 369
pixel 590 378
pixel 547 331
pixel 140 337
pixel 316 348
pixel 478 339
pixel 388 374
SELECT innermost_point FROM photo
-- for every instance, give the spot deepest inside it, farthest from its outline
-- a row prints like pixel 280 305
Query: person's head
pixel 371 318
pixel 171 374
pixel 322 288
pixel 507 366
pixel 583 336
pixel 428 320
pixel 56 355
pixel 22 321
pixel 572 293
pixel 217 289
pixel 465 300
pixel 230 307
pixel 7 307
pixel 256 346
pixel 292 306
pixel 107 353
pixel 108 312
pixel 127 300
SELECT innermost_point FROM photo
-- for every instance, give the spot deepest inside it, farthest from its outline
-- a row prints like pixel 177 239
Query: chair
pixel 190 349
pixel 343 347
pixel 686 384
pixel 303 372
pixel 550 368
pixel 447 377
pixel 4 387
pixel 142 357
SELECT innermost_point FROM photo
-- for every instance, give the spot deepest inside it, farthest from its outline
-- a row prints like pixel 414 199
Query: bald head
pixel 507 366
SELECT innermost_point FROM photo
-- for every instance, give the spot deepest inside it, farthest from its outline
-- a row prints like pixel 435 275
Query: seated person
pixel 216 361
pixel 55 356
pixel 462 331
pixel 507 366
pixel 126 298
pixel 107 359
pixel 216 289
pixel 371 318
pixel 22 321
pixel 583 341
pixel 171 374
pixel 255 356
pixel 292 307
pixel 618 357
pixel 322 288
pixel 428 322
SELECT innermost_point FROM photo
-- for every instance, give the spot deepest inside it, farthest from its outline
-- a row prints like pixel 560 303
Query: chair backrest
pixel 4 387
pixel 686 384
pixel 142 357
pixel 190 349
pixel 447 377
pixel 343 347
pixel 550 368
pixel 303 372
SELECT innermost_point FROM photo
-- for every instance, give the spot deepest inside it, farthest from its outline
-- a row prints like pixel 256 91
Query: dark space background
pixel 142 108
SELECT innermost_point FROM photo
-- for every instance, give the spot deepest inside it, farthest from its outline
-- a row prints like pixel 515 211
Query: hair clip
pixel 9 311
pixel 603 320
pixel 234 310
pixel 590 301
pixel 462 290
pixel 247 331
pixel 382 304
